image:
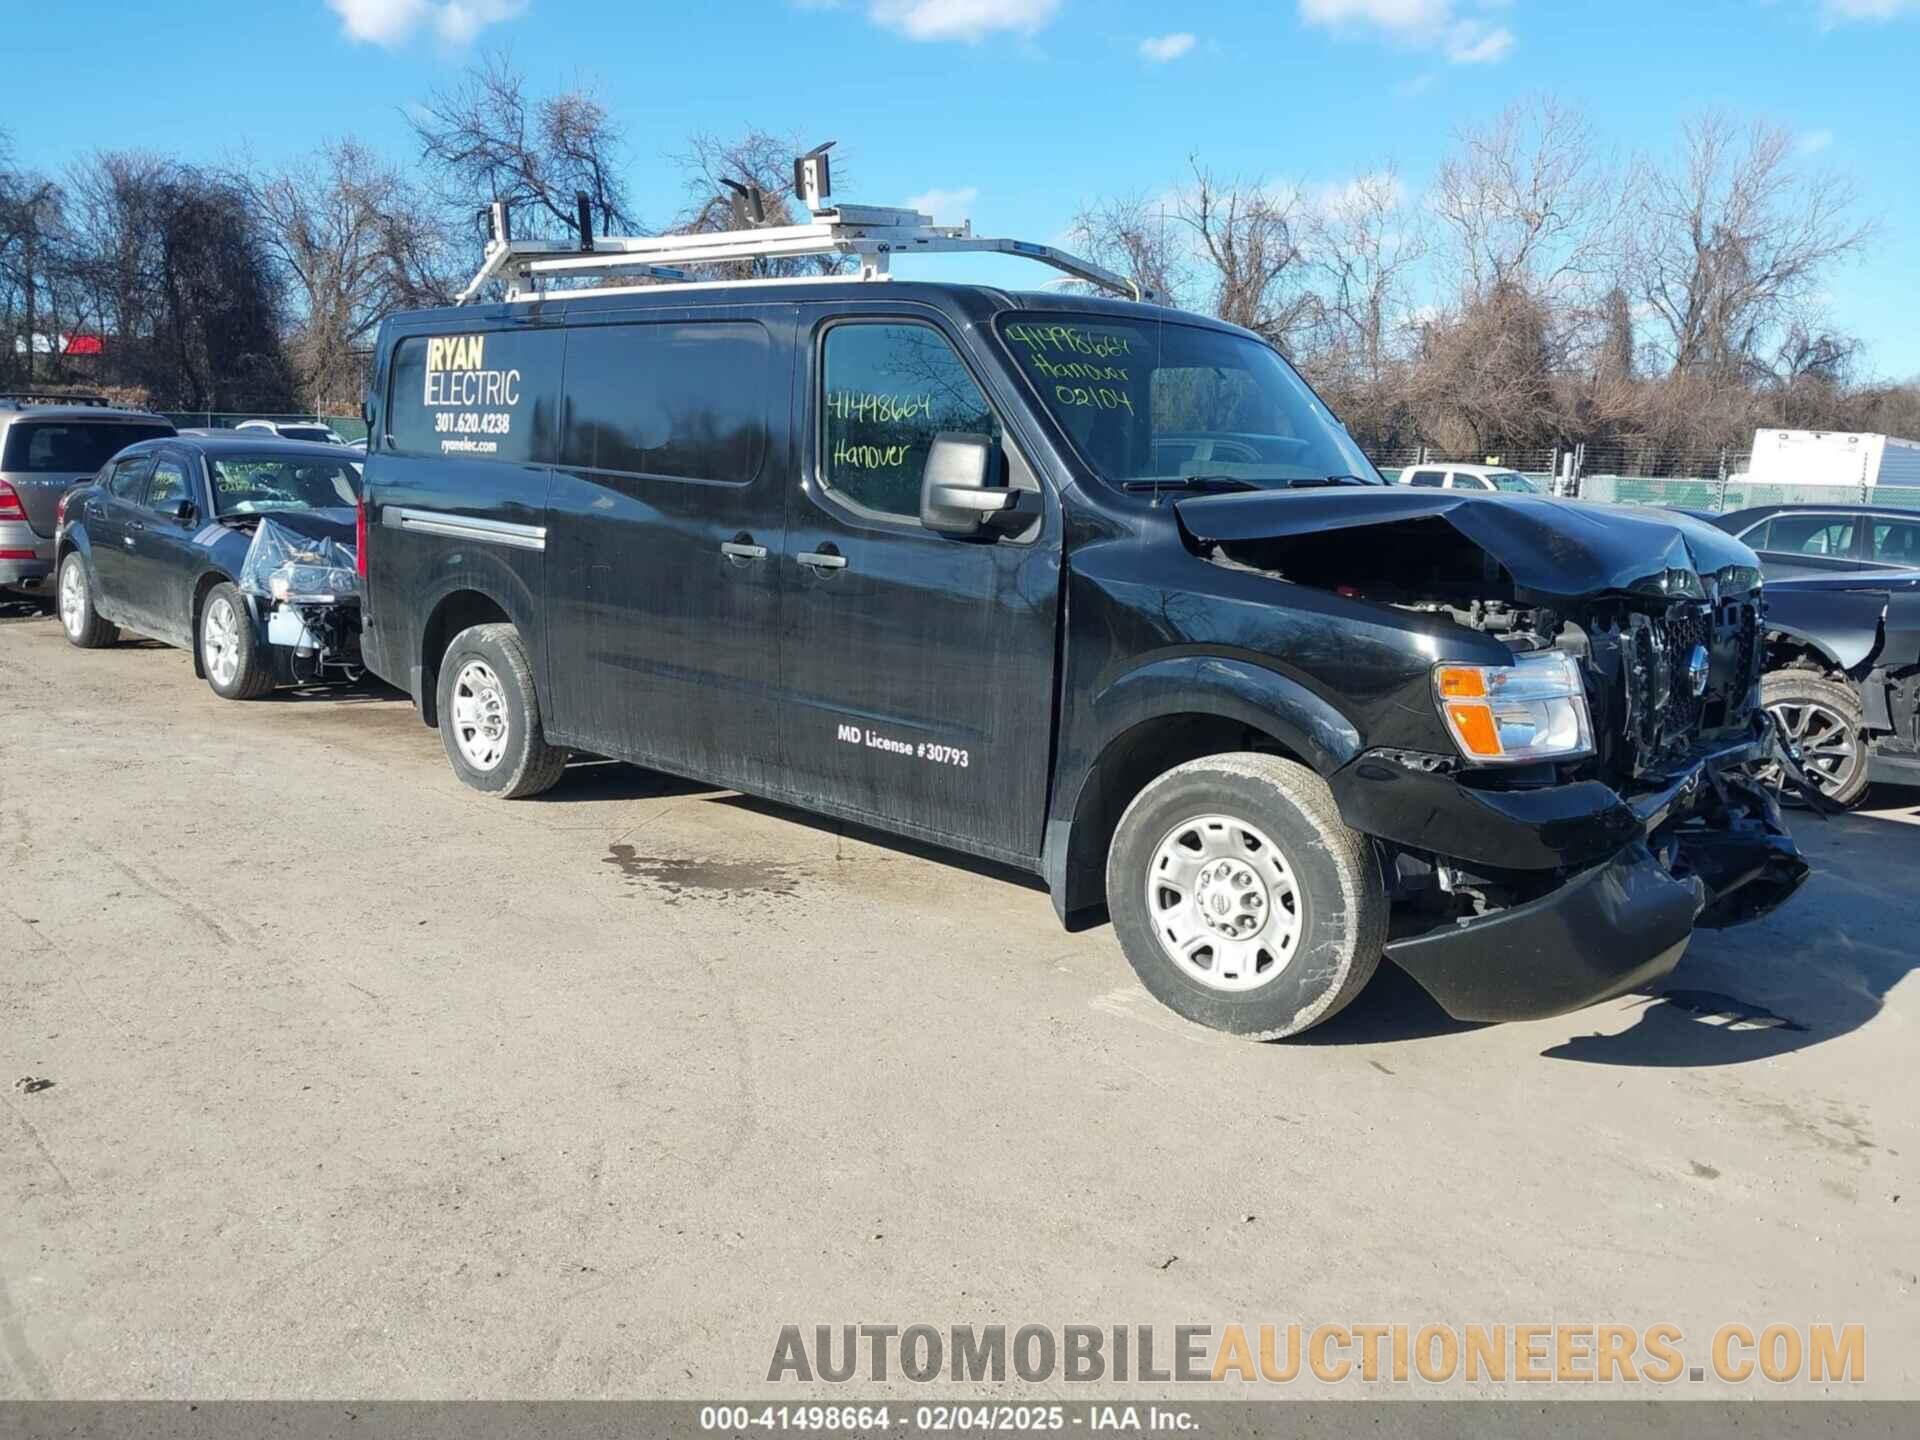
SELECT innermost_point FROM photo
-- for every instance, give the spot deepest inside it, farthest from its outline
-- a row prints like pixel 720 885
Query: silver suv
pixel 48 445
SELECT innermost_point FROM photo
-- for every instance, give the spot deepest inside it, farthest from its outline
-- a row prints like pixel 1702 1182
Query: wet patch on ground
pixel 674 878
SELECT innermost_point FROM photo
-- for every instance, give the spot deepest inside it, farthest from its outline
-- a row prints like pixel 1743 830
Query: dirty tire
pixel 73 603
pixel 1339 902
pixel 526 765
pixel 1801 690
pixel 248 674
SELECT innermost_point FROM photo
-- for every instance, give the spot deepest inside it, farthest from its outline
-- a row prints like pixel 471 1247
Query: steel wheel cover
pixel 479 715
pixel 1223 902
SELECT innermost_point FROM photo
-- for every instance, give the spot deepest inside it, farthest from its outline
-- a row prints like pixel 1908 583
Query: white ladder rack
pixel 873 235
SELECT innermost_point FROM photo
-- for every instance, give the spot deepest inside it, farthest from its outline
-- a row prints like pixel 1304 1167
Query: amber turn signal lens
pixel 1461 682
pixel 1474 725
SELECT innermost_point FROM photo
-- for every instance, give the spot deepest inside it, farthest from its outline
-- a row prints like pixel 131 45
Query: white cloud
pixel 1442 25
pixel 948 207
pixel 394 22
pixel 1162 48
pixel 1814 141
pixel 1838 12
pixel 968 20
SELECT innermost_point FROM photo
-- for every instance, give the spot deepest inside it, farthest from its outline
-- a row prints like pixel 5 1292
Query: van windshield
pixel 1148 402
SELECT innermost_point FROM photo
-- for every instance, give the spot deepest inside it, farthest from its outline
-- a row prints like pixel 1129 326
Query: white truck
pixel 1824 457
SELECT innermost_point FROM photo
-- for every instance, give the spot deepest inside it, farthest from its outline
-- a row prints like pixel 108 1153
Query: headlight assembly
pixel 1534 709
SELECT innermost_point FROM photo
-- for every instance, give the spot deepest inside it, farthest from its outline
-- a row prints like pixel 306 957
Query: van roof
pixel 980 303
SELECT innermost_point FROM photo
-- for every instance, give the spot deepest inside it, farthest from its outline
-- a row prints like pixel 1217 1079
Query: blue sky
pixel 1016 109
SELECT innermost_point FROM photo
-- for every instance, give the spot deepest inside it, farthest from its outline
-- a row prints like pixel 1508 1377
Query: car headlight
pixel 1534 709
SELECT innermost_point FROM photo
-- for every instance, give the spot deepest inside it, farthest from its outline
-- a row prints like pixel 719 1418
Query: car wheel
pixel 230 651
pixel 1242 900
pixel 1823 721
pixel 490 715
pixel 74 601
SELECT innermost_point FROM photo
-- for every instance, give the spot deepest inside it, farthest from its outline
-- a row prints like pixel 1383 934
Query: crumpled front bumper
pixel 1711 850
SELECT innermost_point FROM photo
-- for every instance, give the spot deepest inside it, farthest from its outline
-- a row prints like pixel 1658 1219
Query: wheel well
pixel 1127 766
pixel 458 611
pixel 1784 652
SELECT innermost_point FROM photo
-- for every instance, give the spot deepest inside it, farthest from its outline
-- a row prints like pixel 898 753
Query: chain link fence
pixel 1631 473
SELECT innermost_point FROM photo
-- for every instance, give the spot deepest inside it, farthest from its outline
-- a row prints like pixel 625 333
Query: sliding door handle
pixel 739 550
pixel 822 560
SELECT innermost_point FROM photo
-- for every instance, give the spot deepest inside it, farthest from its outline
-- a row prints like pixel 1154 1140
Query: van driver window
pixel 888 390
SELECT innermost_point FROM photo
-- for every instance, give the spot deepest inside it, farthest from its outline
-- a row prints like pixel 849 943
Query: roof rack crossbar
pixel 50 397
pixel 871 234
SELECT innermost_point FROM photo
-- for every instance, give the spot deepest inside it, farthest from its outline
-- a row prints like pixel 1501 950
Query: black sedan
pixel 1811 540
pixel 158 542
pixel 1843 677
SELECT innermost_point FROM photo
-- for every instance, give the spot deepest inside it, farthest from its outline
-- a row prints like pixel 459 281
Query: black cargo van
pixel 1094 587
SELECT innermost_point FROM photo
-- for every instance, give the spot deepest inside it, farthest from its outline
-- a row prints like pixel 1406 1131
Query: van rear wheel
pixel 1242 900
pixel 490 715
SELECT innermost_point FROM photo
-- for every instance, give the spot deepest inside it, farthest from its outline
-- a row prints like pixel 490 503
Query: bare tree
pixel 484 138
pixel 1246 237
pixel 1527 200
pixel 176 265
pixel 1364 245
pixel 31 212
pixel 355 241
pixel 1136 237
pixel 1734 238
pixel 762 162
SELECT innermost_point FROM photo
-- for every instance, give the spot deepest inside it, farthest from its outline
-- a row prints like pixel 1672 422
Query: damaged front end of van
pixel 1560 772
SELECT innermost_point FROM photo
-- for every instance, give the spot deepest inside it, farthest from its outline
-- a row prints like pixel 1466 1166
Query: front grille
pixel 1664 714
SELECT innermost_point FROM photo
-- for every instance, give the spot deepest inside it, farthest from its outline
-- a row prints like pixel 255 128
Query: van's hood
pixel 1558 548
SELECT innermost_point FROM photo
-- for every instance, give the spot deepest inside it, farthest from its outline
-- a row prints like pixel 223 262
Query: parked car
pixel 239 549
pixel 48 445
pixel 1468 477
pixel 924 557
pixel 1795 540
pixel 311 430
pixel 1843 678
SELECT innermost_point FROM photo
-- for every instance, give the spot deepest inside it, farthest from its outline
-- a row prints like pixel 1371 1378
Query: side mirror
pixel 960 490
pixel 183 511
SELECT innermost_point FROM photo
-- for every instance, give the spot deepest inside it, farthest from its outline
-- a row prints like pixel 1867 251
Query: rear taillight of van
pixel 60 511
pixel 10 506
pixel 360 538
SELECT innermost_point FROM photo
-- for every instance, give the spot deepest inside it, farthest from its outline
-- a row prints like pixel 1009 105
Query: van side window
pixel 886 391
pixel 688 401
pixel 482 395
pixel 1433 479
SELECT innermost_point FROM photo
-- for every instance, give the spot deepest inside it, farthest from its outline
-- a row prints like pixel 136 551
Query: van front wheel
pixel 1242 900
pixel 490 716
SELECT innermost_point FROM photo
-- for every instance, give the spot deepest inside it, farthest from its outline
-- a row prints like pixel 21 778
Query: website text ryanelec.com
pixel 1281 1354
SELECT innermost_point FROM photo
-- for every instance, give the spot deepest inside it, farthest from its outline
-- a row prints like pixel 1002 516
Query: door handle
pixel 822 560
pixel 742 550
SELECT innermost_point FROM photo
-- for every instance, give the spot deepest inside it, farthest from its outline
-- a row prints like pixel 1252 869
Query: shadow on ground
pixel 1819 967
